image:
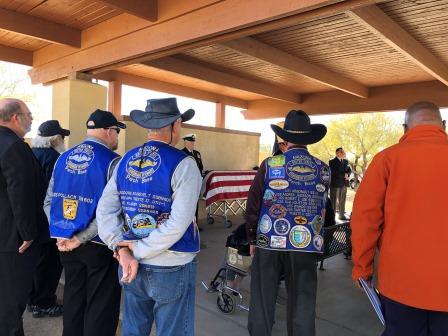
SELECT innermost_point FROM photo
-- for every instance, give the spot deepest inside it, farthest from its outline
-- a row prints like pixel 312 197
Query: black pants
pixel 91 293
pixel 16 278
pixel 46 278
pixel 299 269
pixel 402 320
pixel 337 198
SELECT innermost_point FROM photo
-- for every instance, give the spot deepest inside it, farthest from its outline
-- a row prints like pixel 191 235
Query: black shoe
pixel 53 311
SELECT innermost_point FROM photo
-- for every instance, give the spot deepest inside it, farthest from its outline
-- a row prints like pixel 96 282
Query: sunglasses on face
pixel 114 128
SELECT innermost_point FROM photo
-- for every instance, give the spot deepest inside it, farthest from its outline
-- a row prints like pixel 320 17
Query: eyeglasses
pixel 114 128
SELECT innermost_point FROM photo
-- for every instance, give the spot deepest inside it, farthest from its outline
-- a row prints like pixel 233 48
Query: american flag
pixel 226 185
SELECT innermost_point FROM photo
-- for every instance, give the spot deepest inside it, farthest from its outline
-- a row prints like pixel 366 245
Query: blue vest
pixel 293 210
pixel 144 185
pixel 80 176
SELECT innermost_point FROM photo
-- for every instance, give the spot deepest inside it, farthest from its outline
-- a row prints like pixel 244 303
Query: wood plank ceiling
pixel 392 42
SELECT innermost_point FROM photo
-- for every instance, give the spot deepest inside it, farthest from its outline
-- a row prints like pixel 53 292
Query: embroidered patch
pixel 269 197
pixel 281 226
pixel 262 241
pixel 320 187
pixel 300 236
pixel 317 223
pixel 278 184
pixel 277 211
pixel 70 208
pixel 301 168
pixel 278 242
pixel 276 173
pixel 325 175
pixel 318 242
pixel 142 225
pixel 276 161
pixel 143 164
pixel 300 220
pixel 265 224
pixel 79 159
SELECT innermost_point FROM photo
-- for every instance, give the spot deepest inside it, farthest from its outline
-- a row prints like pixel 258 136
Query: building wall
pixel 221 149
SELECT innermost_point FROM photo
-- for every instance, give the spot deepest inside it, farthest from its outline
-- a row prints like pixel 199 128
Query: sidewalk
pixel 342 310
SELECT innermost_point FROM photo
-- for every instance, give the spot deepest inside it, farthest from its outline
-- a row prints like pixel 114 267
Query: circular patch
pixel 277 211
pixel 143 164
pixel 278 184
pixel 317 223
pixel 325 174
pixel 142 225
pixel 300 236
pixel 269 197
pixel 265 224
pixel 79 159
pixel 318 242
pixel 262 241
pixel 300 220
pixel 320 187
pixel 281 226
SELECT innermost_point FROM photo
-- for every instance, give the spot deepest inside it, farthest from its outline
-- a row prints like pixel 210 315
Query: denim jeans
pixel 164 294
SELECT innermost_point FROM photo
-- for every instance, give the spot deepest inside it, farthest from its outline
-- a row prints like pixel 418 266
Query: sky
pixel 135 98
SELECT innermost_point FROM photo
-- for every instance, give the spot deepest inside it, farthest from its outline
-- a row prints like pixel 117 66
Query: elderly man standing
pixel 146 215
pixel 285 215
pixel 400 208
pixel 22 222
pixel 91 292
pixel 47 146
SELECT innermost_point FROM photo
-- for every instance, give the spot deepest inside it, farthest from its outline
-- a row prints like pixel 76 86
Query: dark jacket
pixel 338 171
pixel 22 192
pixel 47 158
pixel 196 156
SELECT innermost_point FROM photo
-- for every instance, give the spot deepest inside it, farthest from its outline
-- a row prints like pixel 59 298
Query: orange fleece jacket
pixel 401 208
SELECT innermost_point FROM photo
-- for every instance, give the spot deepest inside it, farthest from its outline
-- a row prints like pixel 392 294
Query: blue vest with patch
pixel 293 210
pixel 80 175
pixel 144 184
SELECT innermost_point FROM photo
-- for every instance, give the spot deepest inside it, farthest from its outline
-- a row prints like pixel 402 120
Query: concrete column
pixel 73 101
pixel 220 115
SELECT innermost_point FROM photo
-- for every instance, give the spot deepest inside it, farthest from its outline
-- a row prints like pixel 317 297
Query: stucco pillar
pixel 73 101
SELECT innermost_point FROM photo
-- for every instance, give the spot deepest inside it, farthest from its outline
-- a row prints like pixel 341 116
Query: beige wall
pixel 221 149
pixel 224 149
pixel 73 102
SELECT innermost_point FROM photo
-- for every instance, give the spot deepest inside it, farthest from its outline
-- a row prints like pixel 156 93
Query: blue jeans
pixel 165 294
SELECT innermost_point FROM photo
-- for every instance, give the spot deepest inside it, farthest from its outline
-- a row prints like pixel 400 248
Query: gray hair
pixel 44 142
pixel 9 109
pixel 423 112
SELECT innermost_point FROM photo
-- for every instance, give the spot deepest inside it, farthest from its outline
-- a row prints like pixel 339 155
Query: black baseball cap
pixel 51 128
pixel 103 119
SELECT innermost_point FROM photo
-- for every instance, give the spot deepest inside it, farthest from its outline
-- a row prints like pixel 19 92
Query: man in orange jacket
pixel 401 209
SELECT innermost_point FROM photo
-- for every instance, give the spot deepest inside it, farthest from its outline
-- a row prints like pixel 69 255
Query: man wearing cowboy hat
pixel 285 214
pixel 147 217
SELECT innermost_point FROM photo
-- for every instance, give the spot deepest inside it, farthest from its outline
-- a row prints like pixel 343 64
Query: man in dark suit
pixel 47 146
pixel 22 220
pixel 189 141
pixel 340 171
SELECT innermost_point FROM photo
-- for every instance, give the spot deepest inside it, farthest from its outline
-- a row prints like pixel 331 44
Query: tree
pixel 361 135
pixel 15 82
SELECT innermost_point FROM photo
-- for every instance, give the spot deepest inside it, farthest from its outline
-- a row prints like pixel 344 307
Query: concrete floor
pixel 342 310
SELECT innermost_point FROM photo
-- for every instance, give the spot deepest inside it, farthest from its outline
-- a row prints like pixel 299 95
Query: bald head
pixel 9 107
pixel 423 113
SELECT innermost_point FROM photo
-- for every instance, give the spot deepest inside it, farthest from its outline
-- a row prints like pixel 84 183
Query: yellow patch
pixel 70 208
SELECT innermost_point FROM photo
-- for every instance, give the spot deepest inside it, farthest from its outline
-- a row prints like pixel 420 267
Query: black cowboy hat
pixel 299 130
pixel 160 113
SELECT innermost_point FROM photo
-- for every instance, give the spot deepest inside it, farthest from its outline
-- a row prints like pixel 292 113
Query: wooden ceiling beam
pixel 375 20
pixel 381 99
pixel 175 89
pixel 36 27
pixel 145 9
pixel 14 55
pixel 203 26
pixel 211 75
pixel 264 52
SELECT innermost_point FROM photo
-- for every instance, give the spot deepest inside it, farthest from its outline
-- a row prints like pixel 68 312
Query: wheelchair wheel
pixel 228 224
pixel 210 220
pixel 225 303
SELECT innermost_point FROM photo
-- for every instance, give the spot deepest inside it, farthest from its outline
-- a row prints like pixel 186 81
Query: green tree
pixel 361 135
pixel 15 82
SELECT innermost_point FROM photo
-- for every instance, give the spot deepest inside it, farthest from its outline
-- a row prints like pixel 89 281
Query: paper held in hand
pixel 372 294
